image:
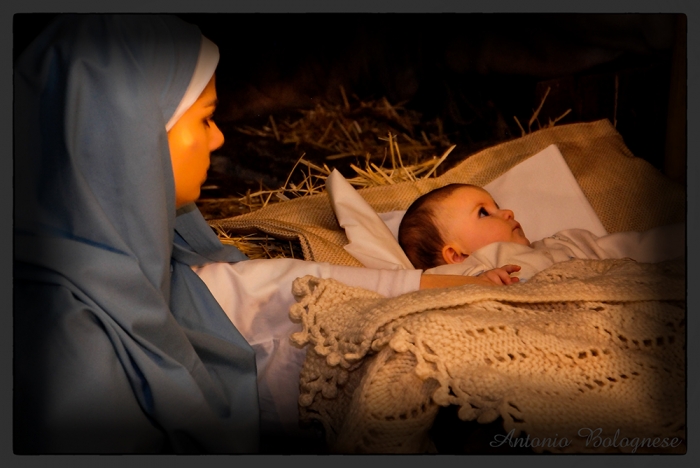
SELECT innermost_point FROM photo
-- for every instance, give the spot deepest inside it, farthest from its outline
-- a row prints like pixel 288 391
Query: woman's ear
pixel 452 255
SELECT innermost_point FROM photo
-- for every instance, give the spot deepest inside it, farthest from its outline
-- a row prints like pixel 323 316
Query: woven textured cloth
pixel 587 356
pixel 627 193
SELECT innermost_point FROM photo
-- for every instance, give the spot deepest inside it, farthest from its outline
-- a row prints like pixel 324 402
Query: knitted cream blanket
pixel 587 356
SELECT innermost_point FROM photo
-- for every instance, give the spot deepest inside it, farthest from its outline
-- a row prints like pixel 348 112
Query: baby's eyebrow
pixel 213 103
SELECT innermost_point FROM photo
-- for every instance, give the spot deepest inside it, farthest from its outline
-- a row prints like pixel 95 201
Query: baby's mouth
pixel 519 229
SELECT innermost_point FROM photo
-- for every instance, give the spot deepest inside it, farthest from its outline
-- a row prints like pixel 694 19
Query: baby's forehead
pixel 469 193
pixel 457 200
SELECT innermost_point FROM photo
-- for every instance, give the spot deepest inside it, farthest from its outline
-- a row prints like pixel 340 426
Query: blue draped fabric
pixel 118 345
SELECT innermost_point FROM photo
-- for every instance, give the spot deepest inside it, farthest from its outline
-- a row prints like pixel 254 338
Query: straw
pixel 360 129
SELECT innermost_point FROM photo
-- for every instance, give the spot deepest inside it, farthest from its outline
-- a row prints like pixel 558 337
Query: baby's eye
pixel 483 212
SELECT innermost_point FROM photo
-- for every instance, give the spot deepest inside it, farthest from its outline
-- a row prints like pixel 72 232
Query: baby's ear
pixel 452 255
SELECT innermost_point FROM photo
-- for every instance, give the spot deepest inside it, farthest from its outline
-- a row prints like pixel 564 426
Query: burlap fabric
pixel 627 193
pixel 587 356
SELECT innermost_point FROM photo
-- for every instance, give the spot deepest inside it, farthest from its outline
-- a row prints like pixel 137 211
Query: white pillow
pixel 541 191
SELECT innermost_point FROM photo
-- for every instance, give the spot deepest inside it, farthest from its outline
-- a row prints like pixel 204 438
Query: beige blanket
pixel 588 356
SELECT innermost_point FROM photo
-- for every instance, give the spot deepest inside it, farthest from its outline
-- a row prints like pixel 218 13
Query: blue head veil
pixel 118 346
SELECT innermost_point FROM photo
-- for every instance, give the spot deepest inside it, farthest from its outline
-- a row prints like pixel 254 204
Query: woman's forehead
pixel 208 98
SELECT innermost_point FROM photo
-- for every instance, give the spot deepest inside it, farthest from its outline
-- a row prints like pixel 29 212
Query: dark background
pixel 473 71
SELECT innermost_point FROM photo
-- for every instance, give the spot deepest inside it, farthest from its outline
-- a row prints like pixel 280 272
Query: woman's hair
pixel 419 236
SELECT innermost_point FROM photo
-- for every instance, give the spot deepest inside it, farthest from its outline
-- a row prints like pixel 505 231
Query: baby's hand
pixel 501 276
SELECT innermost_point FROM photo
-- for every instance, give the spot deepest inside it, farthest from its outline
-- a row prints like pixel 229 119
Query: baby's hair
pixel 419 236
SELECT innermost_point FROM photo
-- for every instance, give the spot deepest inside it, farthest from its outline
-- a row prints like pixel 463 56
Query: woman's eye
pixel 483 212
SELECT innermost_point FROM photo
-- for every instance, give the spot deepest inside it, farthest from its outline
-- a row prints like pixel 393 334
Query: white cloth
pixel 204 69
pixel 370 240
pixel 257 294
pixel 652 246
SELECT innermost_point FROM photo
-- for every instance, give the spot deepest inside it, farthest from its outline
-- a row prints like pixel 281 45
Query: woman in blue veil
pixel 118 345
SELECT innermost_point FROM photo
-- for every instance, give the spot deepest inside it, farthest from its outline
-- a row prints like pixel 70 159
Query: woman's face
pixel 192 139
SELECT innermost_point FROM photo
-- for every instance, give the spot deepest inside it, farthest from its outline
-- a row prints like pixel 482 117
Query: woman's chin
pixel 192 197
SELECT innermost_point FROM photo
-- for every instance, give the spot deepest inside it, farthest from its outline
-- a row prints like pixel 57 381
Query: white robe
pixel 652 246
pixel 257 294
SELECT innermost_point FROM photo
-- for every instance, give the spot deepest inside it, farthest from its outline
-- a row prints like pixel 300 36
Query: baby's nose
pixel 507 214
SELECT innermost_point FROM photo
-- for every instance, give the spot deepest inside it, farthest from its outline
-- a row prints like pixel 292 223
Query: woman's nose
pixel 216 137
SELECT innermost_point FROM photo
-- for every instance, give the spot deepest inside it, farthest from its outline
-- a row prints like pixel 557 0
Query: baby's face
pixel 470 219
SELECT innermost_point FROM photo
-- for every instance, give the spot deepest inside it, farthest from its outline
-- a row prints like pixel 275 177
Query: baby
pixel 460 229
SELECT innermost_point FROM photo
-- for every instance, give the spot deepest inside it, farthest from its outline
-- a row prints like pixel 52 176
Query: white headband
pixel 203 71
